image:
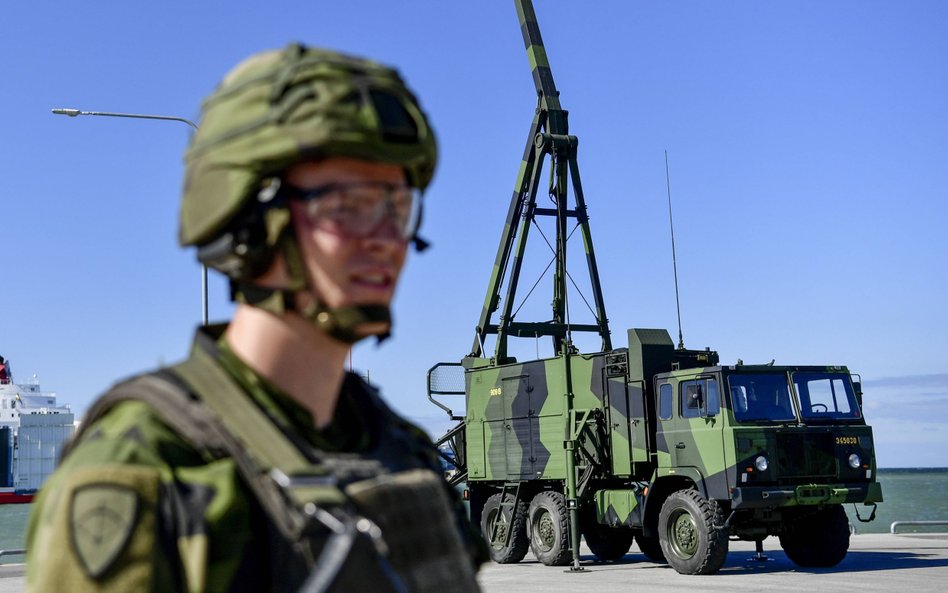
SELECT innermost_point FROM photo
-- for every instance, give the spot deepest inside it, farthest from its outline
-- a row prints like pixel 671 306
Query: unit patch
pixel 101 520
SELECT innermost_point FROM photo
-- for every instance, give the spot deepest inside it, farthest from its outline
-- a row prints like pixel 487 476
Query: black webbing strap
pixel 203 430
pixel 164 393
pixel 171 402
pixel 221 393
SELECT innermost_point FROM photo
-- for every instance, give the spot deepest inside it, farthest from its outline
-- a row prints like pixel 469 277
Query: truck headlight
pixel 761 463
pixel 854 461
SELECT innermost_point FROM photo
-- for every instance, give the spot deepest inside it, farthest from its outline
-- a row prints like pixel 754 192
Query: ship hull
pixel 7 497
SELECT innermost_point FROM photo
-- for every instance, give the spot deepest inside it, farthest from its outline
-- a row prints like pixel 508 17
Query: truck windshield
pixel 761 397
pixel 826 396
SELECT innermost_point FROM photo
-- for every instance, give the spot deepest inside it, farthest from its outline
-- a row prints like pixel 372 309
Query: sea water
pixel 13 519
pixel 911 494
pixel 918 494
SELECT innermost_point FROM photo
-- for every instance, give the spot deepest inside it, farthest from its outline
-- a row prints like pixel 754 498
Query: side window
pixel 692 399
pixel 665 401
pixel 700 398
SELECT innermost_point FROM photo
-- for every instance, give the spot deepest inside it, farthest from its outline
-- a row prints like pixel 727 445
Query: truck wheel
pixel 477 496
pixel 651 547
pixel 818 540
pixel 608 543
pixel 689 534
pixel 549 529
pixel 497 522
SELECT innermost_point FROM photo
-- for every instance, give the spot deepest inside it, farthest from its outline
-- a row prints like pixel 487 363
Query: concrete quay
pixel 876 562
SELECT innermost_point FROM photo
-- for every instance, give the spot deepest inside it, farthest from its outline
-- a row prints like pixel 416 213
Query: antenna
pixel 671 224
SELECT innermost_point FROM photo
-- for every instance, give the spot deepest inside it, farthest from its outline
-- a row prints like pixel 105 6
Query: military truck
pixel 652 443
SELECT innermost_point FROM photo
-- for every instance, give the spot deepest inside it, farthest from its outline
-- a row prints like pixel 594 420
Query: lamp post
pixel 77 112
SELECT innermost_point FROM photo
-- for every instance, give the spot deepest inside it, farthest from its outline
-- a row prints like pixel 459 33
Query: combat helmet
pixel 273 110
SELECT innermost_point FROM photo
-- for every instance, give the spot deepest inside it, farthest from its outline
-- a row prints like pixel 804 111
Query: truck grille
pixel 805 455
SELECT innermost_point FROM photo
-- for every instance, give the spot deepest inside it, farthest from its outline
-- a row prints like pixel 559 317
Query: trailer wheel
pixel 689 532
pixel 818 540
pixel 497 522
pixel 651 547
pixel 549 529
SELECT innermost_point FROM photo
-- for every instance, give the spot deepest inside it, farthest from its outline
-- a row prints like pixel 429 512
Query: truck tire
pixel 818 540
pixel 607 543
pixel 689 532
pixel 497 521
pixel 549 529
pixel 651 547
pixel 477 496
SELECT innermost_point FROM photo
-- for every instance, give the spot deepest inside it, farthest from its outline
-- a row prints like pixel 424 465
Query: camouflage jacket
pixel 134 507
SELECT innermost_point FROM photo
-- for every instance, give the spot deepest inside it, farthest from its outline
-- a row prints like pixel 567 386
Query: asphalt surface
pixel 876 562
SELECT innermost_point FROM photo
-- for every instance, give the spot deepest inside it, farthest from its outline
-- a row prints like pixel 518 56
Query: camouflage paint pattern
pixel 591 425
pixel 718 453
pixel 519 422
pixel 619 508
pixel 277 108
pixel 515 421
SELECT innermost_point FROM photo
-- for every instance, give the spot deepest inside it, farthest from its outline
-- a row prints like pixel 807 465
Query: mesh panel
pixel 446 378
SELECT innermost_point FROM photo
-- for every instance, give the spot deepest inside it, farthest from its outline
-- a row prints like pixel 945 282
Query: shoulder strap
pixel 170 401
pixel 174 403
pixel 200 427
pixel 242 417
pixel 307 474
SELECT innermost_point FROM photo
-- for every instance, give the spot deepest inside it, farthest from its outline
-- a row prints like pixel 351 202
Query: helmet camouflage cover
pixel 278 108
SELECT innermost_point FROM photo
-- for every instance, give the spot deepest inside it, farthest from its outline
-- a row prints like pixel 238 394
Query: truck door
pixel 693 434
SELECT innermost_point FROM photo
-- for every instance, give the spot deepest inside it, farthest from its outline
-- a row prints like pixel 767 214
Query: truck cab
pixel 777 449
pixel 766 436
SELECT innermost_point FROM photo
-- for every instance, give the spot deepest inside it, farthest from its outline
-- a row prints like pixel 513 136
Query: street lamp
pixel 77 112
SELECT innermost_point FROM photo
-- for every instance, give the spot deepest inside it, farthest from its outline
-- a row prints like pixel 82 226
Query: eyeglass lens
pixel 359 209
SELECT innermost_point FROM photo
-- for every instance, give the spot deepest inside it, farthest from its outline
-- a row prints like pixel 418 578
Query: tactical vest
pixel 379 520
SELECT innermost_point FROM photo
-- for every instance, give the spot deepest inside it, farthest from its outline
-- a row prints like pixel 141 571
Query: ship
pixel 34 428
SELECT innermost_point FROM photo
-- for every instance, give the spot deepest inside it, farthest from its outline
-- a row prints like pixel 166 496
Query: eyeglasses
pixel 357 209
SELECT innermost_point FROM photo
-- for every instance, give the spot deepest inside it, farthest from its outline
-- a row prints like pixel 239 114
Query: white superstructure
pixel 33 430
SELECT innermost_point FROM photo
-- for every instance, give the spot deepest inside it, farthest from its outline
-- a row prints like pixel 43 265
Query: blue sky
pixel 808 144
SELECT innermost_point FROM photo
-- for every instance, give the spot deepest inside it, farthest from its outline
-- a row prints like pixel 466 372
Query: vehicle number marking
pixel 846 440
pixel 495 391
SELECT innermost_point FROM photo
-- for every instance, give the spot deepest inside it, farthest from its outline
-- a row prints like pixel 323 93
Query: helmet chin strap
pixel 340 323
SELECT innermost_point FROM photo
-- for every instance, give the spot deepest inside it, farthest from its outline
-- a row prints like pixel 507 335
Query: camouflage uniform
pixel 204 476
pixel 134 507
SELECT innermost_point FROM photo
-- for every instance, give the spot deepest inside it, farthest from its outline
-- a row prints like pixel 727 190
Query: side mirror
pixel 857 390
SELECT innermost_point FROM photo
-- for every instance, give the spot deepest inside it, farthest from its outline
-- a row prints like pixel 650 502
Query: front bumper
pixel 755 497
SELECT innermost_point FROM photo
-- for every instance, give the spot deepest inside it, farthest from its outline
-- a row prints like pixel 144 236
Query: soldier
pixel 259 464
